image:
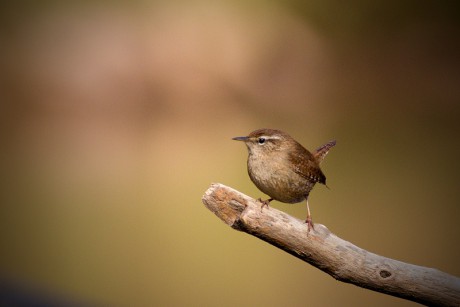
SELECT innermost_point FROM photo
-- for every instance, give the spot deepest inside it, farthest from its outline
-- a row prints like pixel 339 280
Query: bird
pixel 282 168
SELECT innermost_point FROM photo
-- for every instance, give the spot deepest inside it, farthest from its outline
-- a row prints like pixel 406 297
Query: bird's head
pixel 264 141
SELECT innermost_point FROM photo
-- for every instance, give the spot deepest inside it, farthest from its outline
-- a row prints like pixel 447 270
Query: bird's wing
pixel 306 165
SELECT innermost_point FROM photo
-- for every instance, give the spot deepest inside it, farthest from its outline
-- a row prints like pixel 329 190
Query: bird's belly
pixel 280 184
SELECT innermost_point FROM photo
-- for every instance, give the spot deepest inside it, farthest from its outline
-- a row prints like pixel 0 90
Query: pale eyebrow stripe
pixel 273 137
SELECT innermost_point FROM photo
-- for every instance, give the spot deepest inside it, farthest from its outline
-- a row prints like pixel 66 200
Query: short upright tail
pixel 321 152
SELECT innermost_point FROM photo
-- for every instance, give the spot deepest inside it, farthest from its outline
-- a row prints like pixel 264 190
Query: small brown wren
pixel 282 168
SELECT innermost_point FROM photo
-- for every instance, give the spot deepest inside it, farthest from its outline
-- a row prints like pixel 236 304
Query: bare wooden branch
pixel 339 258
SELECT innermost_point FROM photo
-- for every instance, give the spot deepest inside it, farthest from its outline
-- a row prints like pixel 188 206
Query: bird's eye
pixel 261 140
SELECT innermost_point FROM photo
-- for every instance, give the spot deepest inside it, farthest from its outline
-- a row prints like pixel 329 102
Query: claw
pixel 265 203
pixel 310 223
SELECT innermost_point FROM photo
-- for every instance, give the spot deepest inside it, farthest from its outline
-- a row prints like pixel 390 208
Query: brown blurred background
pixel 116 118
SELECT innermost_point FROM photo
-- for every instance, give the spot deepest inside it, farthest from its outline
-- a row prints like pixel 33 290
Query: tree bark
pixel 339 258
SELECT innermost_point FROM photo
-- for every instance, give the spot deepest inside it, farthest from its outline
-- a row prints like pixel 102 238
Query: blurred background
pixel 115 119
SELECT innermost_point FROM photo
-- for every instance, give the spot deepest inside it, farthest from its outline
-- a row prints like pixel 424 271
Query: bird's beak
pixel 240 138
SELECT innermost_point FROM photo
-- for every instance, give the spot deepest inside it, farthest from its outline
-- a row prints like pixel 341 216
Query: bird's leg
pixel 265 203
pixel 309 221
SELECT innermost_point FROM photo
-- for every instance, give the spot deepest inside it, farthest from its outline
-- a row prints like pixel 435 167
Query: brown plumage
pixel 282 168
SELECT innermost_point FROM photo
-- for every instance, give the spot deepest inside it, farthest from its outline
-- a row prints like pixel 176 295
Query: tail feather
pixel 322 151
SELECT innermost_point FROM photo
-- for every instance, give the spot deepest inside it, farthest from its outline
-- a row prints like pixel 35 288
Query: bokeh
pixel 116 118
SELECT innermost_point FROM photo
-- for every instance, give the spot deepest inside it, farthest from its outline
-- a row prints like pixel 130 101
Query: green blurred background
pixel 115 119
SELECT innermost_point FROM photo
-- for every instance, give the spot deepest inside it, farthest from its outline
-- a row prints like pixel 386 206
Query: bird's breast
pixel 274 177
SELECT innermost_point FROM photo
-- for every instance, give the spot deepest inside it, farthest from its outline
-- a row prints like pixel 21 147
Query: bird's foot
pixel 310 223
pixel 265 203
